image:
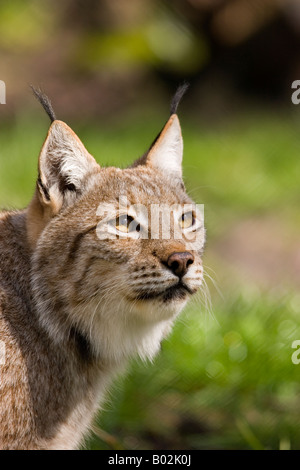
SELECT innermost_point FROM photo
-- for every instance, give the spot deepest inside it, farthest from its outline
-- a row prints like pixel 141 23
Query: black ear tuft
pixel 45 102
pixel 177 97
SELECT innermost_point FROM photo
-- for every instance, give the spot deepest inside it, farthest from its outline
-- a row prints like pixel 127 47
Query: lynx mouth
pixel 178 291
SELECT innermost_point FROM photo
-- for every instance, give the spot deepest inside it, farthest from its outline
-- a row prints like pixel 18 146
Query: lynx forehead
pixel 89 279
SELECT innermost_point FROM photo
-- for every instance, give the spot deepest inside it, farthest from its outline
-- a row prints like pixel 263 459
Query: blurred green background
pixel 225 378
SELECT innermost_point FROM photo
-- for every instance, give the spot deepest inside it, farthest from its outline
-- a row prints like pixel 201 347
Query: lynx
pixel 75 306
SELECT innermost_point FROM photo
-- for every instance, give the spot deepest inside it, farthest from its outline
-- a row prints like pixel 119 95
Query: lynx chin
pixel 76 307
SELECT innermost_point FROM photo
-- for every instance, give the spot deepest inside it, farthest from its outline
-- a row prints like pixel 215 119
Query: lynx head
pixel 103 268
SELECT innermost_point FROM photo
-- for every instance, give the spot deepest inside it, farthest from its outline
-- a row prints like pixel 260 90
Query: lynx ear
pixel 167 150
pixel 64 164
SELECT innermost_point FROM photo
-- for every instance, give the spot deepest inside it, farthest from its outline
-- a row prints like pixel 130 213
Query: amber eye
pixel 187 220
pixel 123 223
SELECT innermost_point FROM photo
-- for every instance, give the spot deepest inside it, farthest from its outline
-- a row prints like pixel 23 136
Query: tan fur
pixel 72 311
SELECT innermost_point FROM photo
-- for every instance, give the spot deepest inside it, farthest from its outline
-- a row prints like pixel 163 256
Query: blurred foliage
pixel 95 56
pixel 152 44
pixel 24 25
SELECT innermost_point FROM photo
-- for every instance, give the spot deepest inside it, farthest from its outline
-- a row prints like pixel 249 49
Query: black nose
pixel 180 262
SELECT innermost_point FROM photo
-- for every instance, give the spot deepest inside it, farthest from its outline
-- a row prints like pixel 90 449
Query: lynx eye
pixel 187 220
pixel 123 223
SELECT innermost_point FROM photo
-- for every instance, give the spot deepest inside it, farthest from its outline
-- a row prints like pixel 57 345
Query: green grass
pixel 229 384
pixel 223 379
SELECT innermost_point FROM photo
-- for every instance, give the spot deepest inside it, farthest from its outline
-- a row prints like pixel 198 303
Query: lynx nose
pixel 180 262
